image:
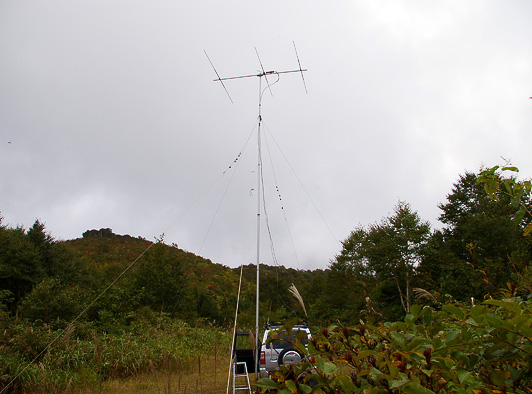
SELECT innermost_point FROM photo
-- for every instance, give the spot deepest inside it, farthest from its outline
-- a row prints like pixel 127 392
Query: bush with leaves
pixel 497 182
pixel 480 349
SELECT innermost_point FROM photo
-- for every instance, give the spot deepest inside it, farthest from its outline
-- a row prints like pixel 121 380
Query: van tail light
pixel 313 359
pixel 262 358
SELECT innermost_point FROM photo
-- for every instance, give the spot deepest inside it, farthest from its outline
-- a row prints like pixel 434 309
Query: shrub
pixel 479 349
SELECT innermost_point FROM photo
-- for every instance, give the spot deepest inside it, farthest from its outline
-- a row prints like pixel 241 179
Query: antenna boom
pixel 260 74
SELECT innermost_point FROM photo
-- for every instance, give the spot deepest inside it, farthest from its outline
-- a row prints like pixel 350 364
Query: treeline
pixel 481 251
pixel 113 278
pixel 382 269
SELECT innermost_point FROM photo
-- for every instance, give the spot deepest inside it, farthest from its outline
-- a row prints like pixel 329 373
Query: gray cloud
pixel 114 119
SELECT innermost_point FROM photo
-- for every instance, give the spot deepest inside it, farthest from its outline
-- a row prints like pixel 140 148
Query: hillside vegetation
pixel 107 305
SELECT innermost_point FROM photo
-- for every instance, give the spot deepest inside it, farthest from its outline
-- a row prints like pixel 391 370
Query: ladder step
pixel 240 371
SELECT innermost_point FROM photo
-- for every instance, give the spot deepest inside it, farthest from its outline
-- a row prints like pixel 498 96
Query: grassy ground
pixel 206 376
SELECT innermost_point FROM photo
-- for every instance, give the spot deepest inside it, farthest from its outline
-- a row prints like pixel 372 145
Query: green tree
pixel 481 239
pixel 350 279
pixel 53 303
pixel 161 279
pixel 20 264
pixel 382 259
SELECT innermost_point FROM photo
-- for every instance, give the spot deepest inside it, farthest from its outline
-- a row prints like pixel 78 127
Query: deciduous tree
pixel 384 257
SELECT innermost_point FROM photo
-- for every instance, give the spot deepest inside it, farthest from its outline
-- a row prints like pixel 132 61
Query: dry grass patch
pixel 206 375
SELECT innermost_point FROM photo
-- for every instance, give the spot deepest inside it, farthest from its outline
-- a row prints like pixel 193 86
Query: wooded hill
pixel 382 269
pixel 170 280
pixel 57 280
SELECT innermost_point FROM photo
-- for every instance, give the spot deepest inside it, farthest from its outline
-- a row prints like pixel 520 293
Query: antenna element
pixel 299 63
pixel 218 75
pixel 264 72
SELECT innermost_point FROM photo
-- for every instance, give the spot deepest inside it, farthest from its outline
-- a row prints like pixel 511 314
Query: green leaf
pixel 463 375
pixel 375 373
pixel 399 338
pixel 290 385
pixel 428 315
pixel 415 389
pixel 394 371
pixel 451 335
pixel 498 378
pixel 454 310
pixel 326 367
pixel 511 306
pixel 267 383
pixel 473 360
pixel 416 310
pixel 345 383
pixel 398 383
pixel 305 389
pixel 320 362
pixel 514 169
pixel 477 312
pixel 496 322
pixel 365 353
pixel 527 230
pixel 418 343
pixel 508 183
pixel 284 391
pixel 519 215
pixel 329 368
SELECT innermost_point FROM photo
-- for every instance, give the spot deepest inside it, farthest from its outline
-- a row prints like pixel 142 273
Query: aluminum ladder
pixel 240 377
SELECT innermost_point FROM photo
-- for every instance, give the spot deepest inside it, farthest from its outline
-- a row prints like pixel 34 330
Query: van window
pixel 287 340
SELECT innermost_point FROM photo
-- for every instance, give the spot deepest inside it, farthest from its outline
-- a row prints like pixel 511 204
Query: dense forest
pixel 111 285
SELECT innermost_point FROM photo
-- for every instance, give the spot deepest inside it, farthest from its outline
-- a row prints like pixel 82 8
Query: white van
pixel 281 351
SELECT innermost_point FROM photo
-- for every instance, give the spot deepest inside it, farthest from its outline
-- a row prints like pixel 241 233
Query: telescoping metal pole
pixel 259 173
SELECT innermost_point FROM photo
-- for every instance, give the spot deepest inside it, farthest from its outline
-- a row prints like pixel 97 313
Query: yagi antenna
pixel 262 73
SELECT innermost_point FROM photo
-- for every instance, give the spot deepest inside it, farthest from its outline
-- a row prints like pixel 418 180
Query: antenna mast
pixel 263 74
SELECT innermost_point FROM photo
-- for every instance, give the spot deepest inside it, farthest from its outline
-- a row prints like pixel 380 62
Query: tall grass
pixel 92 358
pixel 210 380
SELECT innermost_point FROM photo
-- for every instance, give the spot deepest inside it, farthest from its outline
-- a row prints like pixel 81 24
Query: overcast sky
pixel 109 116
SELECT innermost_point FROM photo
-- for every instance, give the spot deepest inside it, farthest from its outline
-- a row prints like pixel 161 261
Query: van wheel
pixel 289 356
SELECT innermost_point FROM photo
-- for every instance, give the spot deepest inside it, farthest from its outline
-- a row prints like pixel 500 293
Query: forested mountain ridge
pixel 480 251
pixel 396 279
pixel 204 291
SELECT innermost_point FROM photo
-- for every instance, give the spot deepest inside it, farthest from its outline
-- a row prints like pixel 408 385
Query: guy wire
pixel 236 162
pixel 305 190
pixel 272 248
pixel 233 165
pixel 281 201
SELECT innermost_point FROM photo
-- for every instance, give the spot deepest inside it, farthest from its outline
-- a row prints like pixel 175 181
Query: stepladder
pixel 240 378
